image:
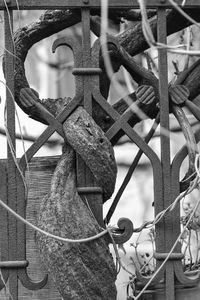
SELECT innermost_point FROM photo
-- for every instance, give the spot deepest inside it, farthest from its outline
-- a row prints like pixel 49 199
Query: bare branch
pixel 49 23
pixel 132 40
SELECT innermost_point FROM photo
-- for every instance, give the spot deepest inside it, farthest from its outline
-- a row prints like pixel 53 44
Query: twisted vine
pixel 80 271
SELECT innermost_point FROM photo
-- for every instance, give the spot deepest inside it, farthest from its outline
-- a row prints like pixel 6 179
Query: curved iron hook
pixel 76 48
pixel 124 231
pixel 29 283
pixel 69 42
pixel 183 278
pixel 73 45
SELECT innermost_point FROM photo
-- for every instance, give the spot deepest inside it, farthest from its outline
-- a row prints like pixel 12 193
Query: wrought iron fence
pixel 87 71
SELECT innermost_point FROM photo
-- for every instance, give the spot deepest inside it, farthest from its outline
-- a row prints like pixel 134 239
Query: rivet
pixel 85 1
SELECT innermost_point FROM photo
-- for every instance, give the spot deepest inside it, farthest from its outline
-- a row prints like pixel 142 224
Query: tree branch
pixel 49 23
pixel 132 40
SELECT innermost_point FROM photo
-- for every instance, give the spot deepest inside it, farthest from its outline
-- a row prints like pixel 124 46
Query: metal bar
pixel 86 45
pixel 14 264
pixel 130 171
pixel 85 180
pixel 164 112
pixel 11 168
pixel 3 223
pixel 86 71
pixel 173 256
pixel 89 190
pixel 169 281
pixel 60 4
pixel 165 150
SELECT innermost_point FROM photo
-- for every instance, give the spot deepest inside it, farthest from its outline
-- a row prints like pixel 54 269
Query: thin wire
pixel 149 35
pixel 126 75
pixel 145 25
pixel 197 164
pixel 10 141
pixel 183 3
pixel 188 43
pixel 109 69
pixel 118 258
pixel 50 235
pixel 18 10
pixel 18 120
pixel 12 54
pixel 10 24
pixel 172 249
pixel 108 65
pixel 172 206
pixel 179 9
pixel 7 292
pixel 130 171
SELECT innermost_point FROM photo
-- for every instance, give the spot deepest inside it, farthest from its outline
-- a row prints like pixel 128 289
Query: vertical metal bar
pixel 3 224
pixel 169 282
pixel 11 168
pixel 164 112
pixel 81 167
pixel 165 147
pixel 86 46
pixel 86 59
pixel 84 175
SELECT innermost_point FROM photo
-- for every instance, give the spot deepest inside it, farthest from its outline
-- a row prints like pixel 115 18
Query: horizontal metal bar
pixel 61 4
pixel 89 190
pixel 86 71
pixel 172 256
pixel 14 264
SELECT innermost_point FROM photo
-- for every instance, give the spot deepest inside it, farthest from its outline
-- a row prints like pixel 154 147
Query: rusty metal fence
pixel 165 174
